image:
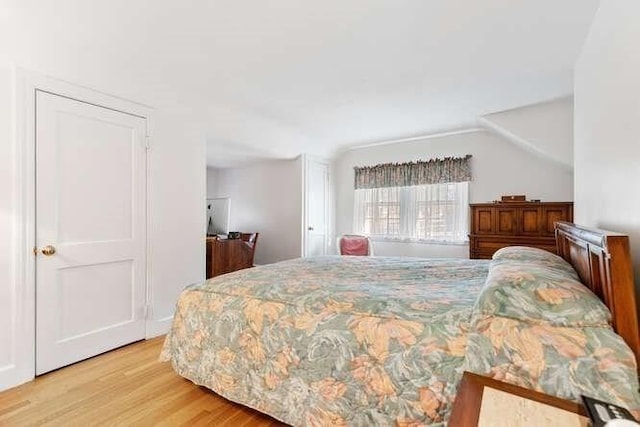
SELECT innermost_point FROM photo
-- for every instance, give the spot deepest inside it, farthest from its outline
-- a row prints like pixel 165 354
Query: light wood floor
pixel 127 386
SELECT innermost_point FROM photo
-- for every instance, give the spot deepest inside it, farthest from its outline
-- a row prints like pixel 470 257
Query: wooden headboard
pixel 603 262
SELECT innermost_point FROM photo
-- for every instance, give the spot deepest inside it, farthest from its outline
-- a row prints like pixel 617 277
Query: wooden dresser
pixel 496 225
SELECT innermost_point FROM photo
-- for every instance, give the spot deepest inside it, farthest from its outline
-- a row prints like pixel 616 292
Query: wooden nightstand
pixel 483 402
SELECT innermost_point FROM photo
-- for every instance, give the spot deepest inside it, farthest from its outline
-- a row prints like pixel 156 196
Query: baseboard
pixel 11 376
pixel 158 327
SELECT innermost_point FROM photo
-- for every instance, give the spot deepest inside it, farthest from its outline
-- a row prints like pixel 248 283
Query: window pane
pixel 423 212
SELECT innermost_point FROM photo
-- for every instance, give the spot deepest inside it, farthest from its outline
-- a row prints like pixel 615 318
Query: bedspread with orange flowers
pixel 331 340
pixel 355 341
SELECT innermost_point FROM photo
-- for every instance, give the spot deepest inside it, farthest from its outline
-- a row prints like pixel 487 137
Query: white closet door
pixel 317 208
pixel 90 230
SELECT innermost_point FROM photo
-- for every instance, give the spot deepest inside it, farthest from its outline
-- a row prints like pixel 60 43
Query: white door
pixel 90 230
pixel 317 208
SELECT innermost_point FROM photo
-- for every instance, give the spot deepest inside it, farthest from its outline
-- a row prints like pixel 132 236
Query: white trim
pixel 149 322
pixel 510 136
pixel 26 83
pixel 419 137
pixel 158 327
pixel 305 215
pixel 303 210
pixel 568 96
pixel 22 344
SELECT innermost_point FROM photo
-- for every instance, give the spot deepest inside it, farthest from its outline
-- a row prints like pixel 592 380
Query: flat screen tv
pixel 218 211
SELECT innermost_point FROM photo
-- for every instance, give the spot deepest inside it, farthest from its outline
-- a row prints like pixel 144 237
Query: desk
pixel 225 256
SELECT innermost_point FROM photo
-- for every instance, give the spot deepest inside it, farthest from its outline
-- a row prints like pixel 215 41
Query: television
pixel 218 210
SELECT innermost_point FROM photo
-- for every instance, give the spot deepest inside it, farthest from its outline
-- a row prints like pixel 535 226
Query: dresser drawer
pixel 483 247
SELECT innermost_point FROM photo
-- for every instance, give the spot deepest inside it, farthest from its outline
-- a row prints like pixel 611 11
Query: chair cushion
pixel 354 245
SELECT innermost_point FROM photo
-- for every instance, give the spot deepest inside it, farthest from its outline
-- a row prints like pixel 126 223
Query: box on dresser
pixel 496 225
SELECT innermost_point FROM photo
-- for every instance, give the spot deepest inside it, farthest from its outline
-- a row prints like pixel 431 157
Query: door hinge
pixel 147 142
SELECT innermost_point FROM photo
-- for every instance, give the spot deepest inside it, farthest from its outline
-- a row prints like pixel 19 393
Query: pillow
pixel 539 256
pixel 531 291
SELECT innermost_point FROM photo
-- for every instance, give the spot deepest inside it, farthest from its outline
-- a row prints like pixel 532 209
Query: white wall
pixel 545 129
pixel 607 124
pixel 7 281
pixel 176 223
pixel 498 166
pixel 266 198
pixel 177 199
pixel 212 182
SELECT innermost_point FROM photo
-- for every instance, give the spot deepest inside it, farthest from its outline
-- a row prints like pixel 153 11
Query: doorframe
pixel 26 84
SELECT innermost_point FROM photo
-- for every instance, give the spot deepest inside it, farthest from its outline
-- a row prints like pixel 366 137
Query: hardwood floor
pixel 125 387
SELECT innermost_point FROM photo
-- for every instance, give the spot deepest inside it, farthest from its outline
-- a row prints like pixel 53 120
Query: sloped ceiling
pixel 546 129
pixel 278 78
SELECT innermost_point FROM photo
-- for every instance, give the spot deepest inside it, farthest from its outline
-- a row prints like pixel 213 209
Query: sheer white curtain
pixel 434 212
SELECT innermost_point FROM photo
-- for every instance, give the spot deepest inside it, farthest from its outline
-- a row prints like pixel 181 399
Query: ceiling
pixel 273 79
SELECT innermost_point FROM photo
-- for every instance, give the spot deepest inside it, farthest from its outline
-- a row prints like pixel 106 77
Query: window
pixel 431 212
pixel 414 201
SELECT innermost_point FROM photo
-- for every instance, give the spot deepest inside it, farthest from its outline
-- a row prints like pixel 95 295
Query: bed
pixel 384 341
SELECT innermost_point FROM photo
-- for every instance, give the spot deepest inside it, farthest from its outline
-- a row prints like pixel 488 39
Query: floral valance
pixel 434 171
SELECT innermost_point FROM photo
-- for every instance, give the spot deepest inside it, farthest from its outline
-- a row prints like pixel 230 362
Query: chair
pixel 251 239
pixel 353 244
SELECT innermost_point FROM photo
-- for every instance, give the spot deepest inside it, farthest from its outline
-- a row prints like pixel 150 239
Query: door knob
pixel 310 228
pixel 48 250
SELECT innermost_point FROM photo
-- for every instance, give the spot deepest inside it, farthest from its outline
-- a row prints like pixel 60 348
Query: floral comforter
pixel 364 341
pixel 333 340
